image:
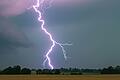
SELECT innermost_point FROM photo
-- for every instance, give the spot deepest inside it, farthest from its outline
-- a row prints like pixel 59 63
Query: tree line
pixel 16 70
pixel 111 70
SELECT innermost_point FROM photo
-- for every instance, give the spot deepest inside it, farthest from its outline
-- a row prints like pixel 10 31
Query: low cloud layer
pixel 72 1
pixel 14 7
pixel 10 34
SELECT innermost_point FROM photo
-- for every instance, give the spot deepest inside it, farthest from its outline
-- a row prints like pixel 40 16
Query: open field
pixel 59 77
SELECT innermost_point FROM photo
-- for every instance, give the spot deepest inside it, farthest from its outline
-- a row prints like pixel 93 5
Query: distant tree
pixel 111 70
pixel 56 71
pixel 75 71
pixel 70 71
pixel 39 71
pixel 7 70
pixel 10 70
pixel 25 71
pixel 46 71
pixel 64 70
pixel 117 69
pixel 16 69
pixel 0 71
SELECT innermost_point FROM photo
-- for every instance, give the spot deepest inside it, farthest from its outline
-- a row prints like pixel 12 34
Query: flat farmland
pixel 59 77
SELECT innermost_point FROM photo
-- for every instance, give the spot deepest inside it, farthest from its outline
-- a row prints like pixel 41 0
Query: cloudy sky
pixel 92 26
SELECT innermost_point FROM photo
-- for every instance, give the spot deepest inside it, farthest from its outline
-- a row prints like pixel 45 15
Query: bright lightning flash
pixel 47 58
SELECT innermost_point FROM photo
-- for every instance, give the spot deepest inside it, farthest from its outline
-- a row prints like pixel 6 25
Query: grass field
pixel 59 77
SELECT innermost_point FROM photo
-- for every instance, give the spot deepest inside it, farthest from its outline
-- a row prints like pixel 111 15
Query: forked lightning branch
pixel 54 42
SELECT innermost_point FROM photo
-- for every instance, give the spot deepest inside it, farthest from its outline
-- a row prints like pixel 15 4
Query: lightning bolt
pixel 47 58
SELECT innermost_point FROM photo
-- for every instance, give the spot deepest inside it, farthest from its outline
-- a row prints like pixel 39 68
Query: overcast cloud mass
pixel 91 25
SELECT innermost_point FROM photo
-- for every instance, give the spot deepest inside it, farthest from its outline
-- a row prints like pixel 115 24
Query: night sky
pixel 92 26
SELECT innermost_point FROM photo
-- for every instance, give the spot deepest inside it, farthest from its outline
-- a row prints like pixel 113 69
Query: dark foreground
pixel 59 77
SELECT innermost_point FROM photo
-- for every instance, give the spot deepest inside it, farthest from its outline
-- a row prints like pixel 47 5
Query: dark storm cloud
pixel 11 36
pixel 82 13
pixel 27 19
pixel 92 28
pixel 14 7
